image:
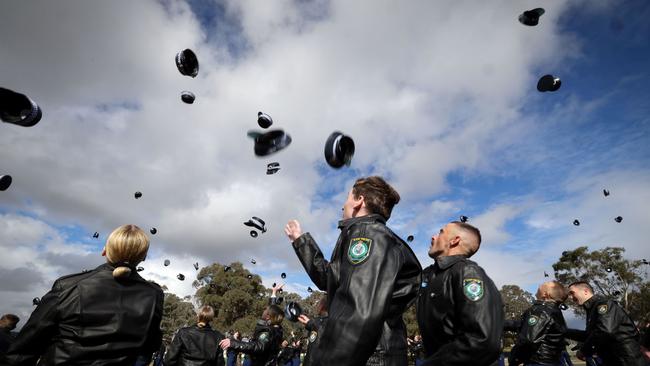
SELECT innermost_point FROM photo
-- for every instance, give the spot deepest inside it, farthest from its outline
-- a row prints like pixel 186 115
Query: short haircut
pixel 379 196
pixel 205 314
pixel 473 231
pixel 557 292
pixel 582 285
pixel 276 315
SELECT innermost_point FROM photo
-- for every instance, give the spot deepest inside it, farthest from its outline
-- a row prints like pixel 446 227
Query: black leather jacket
pixel 263 347
pixel 460 314
pixel 313 326
pixel 372 277
pixel 195 346
pixel 91 318
pixel 541 336
pixel 611 333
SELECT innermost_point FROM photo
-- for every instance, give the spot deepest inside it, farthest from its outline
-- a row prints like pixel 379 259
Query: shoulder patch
pixel 532 320
pixel 359 250
pixel 312 337
pixel 602 309
pixel 263 337
pixel 473 289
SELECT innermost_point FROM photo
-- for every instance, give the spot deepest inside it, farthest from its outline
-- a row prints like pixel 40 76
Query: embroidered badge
pixel 602 309
pixel 473 289
pixel 264 337
pixel 532 320
pixel 424 284
pixel 359 250
pixel 312 337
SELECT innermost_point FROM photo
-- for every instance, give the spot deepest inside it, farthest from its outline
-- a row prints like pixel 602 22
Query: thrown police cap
pixel 644 261
pixel 310 290
pixel 5 182
pixel 96 235
pixel 250 276
pixel 226 268
pixel 410 238
pixel 565 253
pixel 274 284
pixel 531 17
pixel 563 306
pixel 253 261
pixel 608 269
pixel 257 223
pixel 549 83
pixel 166 262
pixel 139 269
pixel 153 231
pixel 196 266
pixel 283 275
pixel 137 195
pixel 264 120
pixel 187 97
pixel 292 311
pixel 618 219
pixel 272 168
pixel 18 109
pixel 605 192
pixel 616 293
pixel 463 218
pixel 36 301
pixel 269 142
pixel 187 63
pixel 180 276
pixel 339 150
pixel 576 222
pixel 545 274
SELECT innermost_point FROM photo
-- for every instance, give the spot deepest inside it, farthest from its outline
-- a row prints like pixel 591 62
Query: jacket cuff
pixel 302 240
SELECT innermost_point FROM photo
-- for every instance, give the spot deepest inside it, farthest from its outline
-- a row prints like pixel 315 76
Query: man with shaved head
pixel 541 338
pixel 610 331
pixel 459 309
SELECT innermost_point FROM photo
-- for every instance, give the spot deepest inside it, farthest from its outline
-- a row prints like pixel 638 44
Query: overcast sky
pixel 439 96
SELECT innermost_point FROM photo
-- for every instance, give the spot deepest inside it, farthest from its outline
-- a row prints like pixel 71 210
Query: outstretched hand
pixel 293 230
pixel 224 344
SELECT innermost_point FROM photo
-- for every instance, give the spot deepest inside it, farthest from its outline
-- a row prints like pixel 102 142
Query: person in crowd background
pixel 313 326
pixel 197 345
pixel 459 309
pixel 371 278
pixel 8 323
pixel 121 312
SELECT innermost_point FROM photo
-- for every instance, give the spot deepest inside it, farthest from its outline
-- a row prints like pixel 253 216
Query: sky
pixel 439 97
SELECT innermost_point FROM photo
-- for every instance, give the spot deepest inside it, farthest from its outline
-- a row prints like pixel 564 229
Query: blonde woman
pixel 197 345
pixel 107 316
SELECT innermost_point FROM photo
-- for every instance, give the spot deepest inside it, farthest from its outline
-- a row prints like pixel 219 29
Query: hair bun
pixel 121 272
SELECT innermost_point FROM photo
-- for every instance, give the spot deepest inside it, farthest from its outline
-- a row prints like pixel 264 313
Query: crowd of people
pixel 111 315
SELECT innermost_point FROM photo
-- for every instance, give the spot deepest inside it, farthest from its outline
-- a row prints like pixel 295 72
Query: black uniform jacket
pixel 263 347
pixel 460 314
pixel 370 280
pixel 313 326
pixel 611 333
pixel 541 336
pixel 90 318
pixel 195 346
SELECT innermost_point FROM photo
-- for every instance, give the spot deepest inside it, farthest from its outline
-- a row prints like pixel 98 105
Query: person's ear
pixel 359 202
pixel 454 242
pixel 104 252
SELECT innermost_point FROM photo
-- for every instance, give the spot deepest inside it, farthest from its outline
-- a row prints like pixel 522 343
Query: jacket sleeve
pixel 529 337
pixel 254 347
pixel 174 350
pixel 39 331
pixel 312 260
pixel 481 321
pixel 602 328
pixel 154 337
pixel 312 325
pixel 358 312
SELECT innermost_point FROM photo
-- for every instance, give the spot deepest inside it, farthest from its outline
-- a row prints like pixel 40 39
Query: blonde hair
pixel 205 315
pixel 126 247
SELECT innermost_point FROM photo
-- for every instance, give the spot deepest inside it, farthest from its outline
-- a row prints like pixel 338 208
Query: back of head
pixel 9 321
pixel 470 237
pixel 379 196
pixel 275 314
pixel 204 316
pixel 125 247
pixel 556 291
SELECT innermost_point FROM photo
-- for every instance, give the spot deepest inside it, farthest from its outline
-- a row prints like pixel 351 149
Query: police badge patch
pixel 264 337
pixel 473 289
pixel 312 336
pixel 602 309
pixel 359 250
pixel 532 320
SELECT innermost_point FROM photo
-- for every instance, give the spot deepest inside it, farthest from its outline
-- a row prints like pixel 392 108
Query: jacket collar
pixel 589 304
pixel 344 224
pixel 448 261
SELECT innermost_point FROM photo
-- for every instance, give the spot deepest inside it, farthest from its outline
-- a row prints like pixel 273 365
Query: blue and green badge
pixel 359 250
pixel 473 289
pixel 532 320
